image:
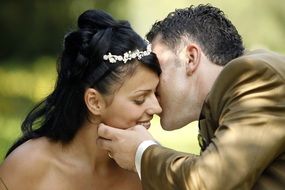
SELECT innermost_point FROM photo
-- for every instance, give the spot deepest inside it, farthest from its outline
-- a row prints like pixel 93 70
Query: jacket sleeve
pixel 2 185
pixel 248 104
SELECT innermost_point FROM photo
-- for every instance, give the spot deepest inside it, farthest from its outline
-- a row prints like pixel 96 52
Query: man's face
pixel 175 92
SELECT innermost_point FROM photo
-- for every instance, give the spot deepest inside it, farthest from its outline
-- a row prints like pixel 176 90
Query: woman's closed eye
pixel 139 101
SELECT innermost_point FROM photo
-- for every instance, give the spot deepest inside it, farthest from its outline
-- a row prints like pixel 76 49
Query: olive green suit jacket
pixel 242 133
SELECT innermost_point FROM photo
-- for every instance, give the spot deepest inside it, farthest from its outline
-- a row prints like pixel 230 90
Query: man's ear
pixel 193 53
pixel 94 101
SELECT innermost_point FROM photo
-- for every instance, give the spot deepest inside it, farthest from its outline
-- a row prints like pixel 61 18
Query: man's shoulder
pixel 256 64
pixel 252 74
pixel 256 61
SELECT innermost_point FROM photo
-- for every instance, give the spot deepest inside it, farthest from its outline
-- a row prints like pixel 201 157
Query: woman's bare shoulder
pixel 31 153
pixel 27 165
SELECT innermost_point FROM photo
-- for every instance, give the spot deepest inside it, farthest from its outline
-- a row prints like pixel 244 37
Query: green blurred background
pixel 31 39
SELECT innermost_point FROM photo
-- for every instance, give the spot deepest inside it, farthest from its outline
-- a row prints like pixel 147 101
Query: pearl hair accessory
pixel 128 55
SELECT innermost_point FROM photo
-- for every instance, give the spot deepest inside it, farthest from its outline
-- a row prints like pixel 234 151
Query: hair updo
pixel 61 114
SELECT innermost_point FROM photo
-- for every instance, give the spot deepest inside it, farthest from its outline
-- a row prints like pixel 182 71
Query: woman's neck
pixel 85 152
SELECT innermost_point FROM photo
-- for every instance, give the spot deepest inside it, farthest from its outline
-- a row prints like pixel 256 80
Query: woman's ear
pixel 94 101
pixel 193 53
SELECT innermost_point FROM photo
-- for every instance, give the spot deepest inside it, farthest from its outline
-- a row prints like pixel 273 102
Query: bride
pixel 106 74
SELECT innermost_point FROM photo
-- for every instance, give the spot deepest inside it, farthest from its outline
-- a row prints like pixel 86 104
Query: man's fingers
pixel 137 127
pixel 104 144
pixel 107 132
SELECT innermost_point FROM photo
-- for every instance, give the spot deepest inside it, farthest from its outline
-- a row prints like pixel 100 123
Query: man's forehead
pixel 159 47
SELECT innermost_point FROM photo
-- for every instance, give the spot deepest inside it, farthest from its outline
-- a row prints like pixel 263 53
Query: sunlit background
pixel 31 39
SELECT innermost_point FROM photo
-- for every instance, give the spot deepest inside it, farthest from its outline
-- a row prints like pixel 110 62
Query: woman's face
pixel 134 102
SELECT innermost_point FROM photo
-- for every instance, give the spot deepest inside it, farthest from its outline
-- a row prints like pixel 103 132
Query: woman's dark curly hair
pixel 61 114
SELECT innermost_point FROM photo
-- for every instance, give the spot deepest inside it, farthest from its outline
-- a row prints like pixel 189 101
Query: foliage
pixel 22 85
pixel 32 28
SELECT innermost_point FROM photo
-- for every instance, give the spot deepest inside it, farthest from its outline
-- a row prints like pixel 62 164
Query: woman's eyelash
pixel 139 102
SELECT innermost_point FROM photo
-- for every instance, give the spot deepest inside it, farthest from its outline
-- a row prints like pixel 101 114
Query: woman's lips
pixel 145 124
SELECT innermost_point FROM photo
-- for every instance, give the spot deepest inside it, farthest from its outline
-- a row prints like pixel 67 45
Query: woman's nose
pixel 154 107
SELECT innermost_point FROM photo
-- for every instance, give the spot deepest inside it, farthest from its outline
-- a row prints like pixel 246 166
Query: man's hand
pixel 122 144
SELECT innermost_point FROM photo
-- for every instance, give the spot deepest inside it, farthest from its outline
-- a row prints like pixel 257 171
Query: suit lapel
pixel 207 126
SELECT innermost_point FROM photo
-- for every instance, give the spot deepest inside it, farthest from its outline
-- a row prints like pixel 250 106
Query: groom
pixel 237 96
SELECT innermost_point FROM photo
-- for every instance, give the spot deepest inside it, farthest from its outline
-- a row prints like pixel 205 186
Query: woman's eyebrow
pixel 143 90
